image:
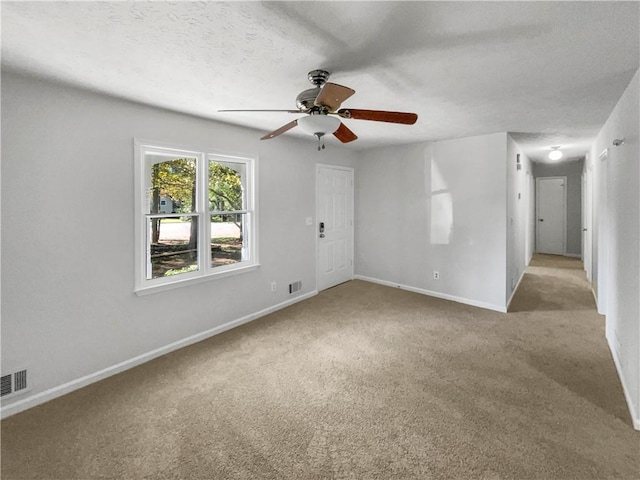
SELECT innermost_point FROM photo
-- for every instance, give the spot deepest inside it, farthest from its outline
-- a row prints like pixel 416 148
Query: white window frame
pixel 205 271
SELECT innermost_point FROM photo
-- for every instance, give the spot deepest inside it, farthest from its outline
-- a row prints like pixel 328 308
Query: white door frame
pixel 603 232
pixel 531 223
pixel 564 200
pixel 586 219
pixel 588 253
pixel 527 219
pixel 317 218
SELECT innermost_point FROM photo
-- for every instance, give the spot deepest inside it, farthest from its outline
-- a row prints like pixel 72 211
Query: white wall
pixel 620 260
pixel 68 307
pixel 519 198
pixel 573 172
pixel 435 206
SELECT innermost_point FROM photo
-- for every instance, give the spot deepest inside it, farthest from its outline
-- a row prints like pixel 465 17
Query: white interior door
pixel 334 225
pixel 551 215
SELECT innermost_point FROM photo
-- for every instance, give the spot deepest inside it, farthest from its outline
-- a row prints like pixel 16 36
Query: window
pixel 195 216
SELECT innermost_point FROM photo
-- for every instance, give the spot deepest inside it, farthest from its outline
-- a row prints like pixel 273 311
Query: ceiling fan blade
pixel 344 134
pixel 332 95
pixel 287 111
pixel 379 116
pixel 280 131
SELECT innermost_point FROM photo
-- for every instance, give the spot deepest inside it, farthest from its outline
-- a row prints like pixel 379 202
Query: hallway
pixel 553 282
pixel 556 293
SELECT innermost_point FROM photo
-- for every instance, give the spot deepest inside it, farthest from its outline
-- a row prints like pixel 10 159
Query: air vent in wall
pixel 295 287
pixel 14 383
pixel 6 385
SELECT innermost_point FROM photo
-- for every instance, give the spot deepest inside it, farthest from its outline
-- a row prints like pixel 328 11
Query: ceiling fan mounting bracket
pixel 318 77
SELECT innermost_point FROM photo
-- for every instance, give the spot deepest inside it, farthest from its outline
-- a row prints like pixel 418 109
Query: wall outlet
pixel 436 275
pixel 274 286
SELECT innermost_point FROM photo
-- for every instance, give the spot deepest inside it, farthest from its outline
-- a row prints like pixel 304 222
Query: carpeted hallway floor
pixel 362 381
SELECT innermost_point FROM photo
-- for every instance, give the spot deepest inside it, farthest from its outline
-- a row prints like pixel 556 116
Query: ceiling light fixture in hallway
pixel 555 154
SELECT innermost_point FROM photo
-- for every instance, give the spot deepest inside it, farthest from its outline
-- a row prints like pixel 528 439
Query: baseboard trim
pixel 573 255
pixel 515 290
pixel 616 361
pixel 445 296
pixel 58 391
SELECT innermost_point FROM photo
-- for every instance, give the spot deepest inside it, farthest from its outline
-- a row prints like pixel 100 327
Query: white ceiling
pixel 549 71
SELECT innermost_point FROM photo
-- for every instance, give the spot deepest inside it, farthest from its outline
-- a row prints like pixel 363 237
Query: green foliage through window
pixel 177 207
pixel 175 179
pixel 225 188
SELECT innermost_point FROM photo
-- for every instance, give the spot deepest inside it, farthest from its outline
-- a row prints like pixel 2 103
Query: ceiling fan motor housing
pixel 305 99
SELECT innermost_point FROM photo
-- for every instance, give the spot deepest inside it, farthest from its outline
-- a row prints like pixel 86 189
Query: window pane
pixel 226 190
pixel 227 239
pixel 172 246
pixel 171 184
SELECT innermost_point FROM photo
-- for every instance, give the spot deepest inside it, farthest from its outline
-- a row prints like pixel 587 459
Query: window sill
pixel 161 287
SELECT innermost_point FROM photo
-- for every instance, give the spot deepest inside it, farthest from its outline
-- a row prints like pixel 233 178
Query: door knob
pixel 541 219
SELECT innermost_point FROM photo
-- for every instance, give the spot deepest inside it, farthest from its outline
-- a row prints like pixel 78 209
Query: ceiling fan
pixel 322 106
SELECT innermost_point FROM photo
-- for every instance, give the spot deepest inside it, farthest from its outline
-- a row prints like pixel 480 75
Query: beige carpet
pixel 359 382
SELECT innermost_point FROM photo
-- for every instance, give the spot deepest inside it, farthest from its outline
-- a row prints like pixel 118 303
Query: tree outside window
pixel 192 200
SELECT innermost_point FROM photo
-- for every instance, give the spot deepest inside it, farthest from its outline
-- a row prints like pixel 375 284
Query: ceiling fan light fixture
pixel 319 125
pixel 555 154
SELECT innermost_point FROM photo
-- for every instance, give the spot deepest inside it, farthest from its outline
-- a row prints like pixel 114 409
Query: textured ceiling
pixel 550 71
